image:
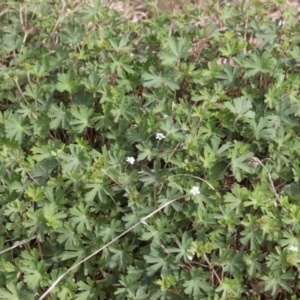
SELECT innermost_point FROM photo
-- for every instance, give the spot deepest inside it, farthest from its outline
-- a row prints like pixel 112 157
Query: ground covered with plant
pixel 149 160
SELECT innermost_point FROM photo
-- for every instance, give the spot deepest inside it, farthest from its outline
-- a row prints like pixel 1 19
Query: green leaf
pixel 43 151
pixel 13 292
pixel 230 288
pixel 53 216
pixel 135 217
pixel 124 109
pixel 89 290
pixel 36 223
pixel 68 236
pixel 232 261
pixel 284 114
pixel 183 248
pixel 78 254
pixel 14 208
pixel 82 119
pixel 123 45
pixel 229 49
pixel 263 129
pixel 240 163
pixel 241 108
pixel 253 262
pixel 147 151
pixel 72 34
pixel 277 279
pixel 74 161
pixel 59 116
pixel 34 274
pixel 236 198
pixel 121 65
pixel 94 83
pixel 159 261
pixel 155 80
pixel 196 284
pixel 269 34
pixel 179 50
pixel 121 258
pixel 15 128
pixel 229 75
pixel 156 176
pixel 80 218
pixel 67 82
pixel 109 232
pixel 99 190
pixel 258 63
pixel 251 234
pixel 173 131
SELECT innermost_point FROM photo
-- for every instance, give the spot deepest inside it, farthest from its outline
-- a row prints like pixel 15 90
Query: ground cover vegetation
pixel 149 160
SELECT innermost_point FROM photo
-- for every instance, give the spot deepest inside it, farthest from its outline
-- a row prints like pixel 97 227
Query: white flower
pixel 160 136
pixel 293 248
pixel 130 160
pixel 190 255
pixel 195 190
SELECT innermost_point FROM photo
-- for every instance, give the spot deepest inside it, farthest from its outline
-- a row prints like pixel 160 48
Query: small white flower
pixel 160 136
pixel 190 255
pixel 130 160
pixel 293 248
pixel 195 190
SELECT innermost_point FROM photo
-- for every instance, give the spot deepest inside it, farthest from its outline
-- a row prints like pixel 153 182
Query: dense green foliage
pixel 86 95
